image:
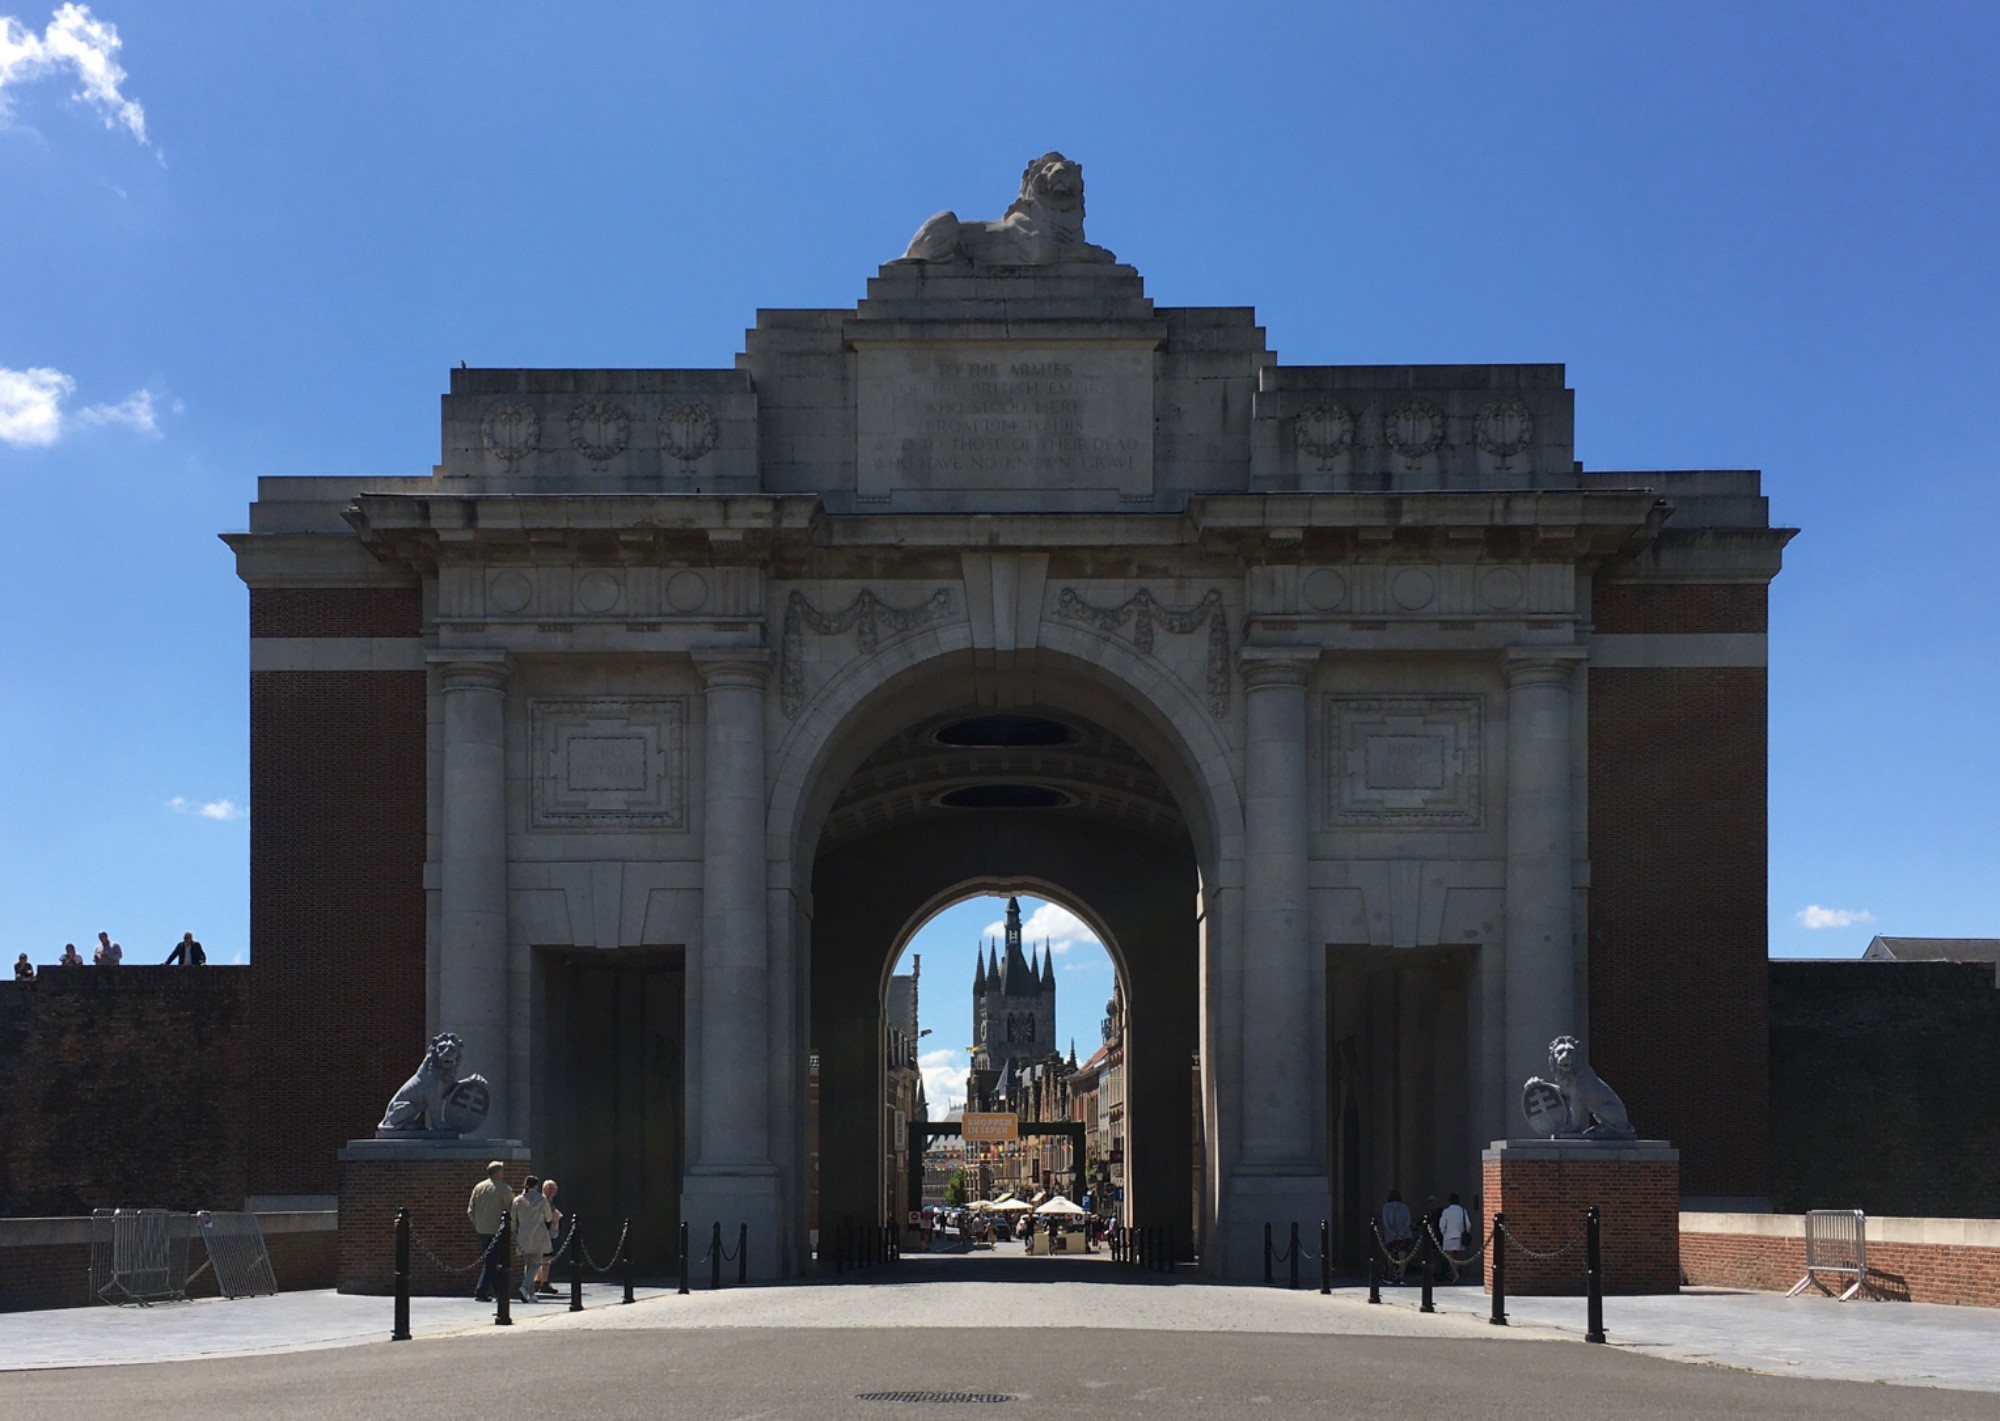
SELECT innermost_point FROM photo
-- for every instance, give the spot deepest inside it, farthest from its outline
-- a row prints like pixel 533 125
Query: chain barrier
pixel 617 1253
pixel 1515 1239
pixel 444 1267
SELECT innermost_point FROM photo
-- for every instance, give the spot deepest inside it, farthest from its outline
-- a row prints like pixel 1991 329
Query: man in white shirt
pixel 1454 1226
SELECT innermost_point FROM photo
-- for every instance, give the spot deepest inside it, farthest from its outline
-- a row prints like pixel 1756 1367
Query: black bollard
pixel 684 1257
pixel 1294 1284
pixel 1593 1268
pixel 575 1263
pixel 1430 1273
pixel 743 1253
pixel 503 1296
pixel 1325 1259
pixel 1267 1255
pixel 400 1331
pixel 1499 1318
pixel 715 1258
pixel 628 1260
pixel 1374 1277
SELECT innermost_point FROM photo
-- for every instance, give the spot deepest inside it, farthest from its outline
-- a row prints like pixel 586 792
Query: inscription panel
pixel 965 417
pixel 1403 761
pixel 610 763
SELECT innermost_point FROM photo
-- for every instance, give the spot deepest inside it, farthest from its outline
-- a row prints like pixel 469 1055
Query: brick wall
pixel 337 910
pixel 54 1270
pixel 1767 1253
pixel 443 1244
pixel 1882 1087
pixel 1545 1201
pixel 123 1087
pixel 1676 929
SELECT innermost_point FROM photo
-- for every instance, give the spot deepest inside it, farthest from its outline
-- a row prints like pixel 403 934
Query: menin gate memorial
pixel 1382 742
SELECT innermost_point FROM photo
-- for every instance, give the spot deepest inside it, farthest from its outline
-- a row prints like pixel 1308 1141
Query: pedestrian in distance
pixel 187 953
pixel 555 1218
pixel 1454 1231
pixel 109 953
pixel 71 957
pixel 487 1209
pixel 24 970
pixel 530 1212
pixel 1397 1240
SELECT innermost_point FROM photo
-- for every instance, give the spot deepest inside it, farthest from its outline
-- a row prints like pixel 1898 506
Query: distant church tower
pixel 1013 1010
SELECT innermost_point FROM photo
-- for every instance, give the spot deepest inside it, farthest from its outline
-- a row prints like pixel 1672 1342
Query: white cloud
pixel 31 408
pixel 1814 916
pixel 222 809
pixel 31 400
pixel 80 42
pixel 135 411
pixel 1059 925
pixel 944 1073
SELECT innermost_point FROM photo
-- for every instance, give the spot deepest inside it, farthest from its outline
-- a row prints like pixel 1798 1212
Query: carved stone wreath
pixel 1414 428
pixel 865 616
pixel 1142 609
pixel 1324 431
pixel 1503 428
pixel 512 431
pixel 689 431
pixel 599 431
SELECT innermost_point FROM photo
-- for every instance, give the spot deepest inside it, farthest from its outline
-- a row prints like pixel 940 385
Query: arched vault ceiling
pixel 1094 774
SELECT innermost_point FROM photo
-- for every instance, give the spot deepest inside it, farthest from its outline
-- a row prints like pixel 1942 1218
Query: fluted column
pixel 1541 929
pixel 472 854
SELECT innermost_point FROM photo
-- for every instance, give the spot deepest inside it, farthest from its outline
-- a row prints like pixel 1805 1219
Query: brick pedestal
pixel 432 1179
pixel 1544 1188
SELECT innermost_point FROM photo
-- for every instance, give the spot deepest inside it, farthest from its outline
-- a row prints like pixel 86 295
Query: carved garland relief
pixel 599 431
pixel 1143 610
pixel 865 616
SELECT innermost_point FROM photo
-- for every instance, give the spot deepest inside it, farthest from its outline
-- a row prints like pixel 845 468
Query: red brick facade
pixel 1677 929
pixel 337 909
pixel 1906 1272
pixel 443 1247
pixel 1545 1203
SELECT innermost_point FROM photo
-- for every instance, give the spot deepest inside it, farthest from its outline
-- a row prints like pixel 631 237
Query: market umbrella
pixel 1009 1206
pixel 1060 1205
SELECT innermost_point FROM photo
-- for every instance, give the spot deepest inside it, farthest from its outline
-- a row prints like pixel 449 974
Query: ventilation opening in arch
pixel 1004 796
pixel 995 731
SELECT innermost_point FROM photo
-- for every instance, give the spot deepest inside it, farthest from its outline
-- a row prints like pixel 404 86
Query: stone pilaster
pixel 731 1176
pixel 1541 931
pixel 472 853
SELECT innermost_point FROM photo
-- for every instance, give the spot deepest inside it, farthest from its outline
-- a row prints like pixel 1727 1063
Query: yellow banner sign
pixel 990 1126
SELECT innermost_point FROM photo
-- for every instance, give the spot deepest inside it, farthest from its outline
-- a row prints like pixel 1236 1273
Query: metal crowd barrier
pixel 1836 1242
pixel 140 1255
pixel 236 1255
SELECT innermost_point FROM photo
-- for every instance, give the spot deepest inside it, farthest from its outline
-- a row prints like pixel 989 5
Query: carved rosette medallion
pixel 866 616
pixel 512 431
pixel 1414 429
pixel 1144 611
pixel 688 431
pixel 599 431
pixel 1324 432
pixel 1503 428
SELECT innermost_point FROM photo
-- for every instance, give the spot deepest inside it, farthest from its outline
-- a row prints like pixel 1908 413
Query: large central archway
pixel 931 796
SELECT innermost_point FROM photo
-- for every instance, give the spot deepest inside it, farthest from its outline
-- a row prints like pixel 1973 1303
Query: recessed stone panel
pixel 1403 761
pixel 617 763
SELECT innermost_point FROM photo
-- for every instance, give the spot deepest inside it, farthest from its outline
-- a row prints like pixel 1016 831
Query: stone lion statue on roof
pixel 1045 225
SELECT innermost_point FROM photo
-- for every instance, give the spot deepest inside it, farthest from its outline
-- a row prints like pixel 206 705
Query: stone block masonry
pixel 1545 1187
pixel 435 1191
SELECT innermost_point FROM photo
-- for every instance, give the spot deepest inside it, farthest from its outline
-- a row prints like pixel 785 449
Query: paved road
pixel 1072 1373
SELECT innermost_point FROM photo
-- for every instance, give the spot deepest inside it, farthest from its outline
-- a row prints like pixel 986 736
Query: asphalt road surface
pixel 1043 1373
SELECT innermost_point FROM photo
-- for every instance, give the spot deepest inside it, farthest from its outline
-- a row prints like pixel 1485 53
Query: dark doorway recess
pixel 608 1104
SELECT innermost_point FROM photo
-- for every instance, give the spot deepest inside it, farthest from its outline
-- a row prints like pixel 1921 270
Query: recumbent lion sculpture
pixel 1044 225
pixel 1577 1104
pixel 437 1100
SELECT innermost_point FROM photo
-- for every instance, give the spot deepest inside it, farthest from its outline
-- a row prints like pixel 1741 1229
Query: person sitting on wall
pixel 24 970
pixel 71 957
pixel 187 953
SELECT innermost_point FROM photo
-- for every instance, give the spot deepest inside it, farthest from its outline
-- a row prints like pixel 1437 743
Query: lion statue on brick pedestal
pixel 1577 1104
pixel 1045 225
pixel 437 1102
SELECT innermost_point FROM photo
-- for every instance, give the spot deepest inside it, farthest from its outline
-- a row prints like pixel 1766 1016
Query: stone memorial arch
pixel 1382 740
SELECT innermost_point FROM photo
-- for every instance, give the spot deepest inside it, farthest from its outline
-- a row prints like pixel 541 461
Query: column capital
pixel 748 667
pixel 471 669
pixel 1541 665
pixel 1276 666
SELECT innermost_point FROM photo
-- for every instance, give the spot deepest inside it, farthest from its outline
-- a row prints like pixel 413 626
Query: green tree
pixel 954 1188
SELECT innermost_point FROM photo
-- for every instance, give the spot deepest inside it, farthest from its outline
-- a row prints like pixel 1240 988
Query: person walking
pixel 555 1218
pixel 1454 1228
pixel 187 953
pixel 530 1212
pixel 487 1209
pixel 24 970
pixel 1397 1240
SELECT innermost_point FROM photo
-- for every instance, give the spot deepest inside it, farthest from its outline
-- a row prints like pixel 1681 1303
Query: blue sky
pixel 1760 236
